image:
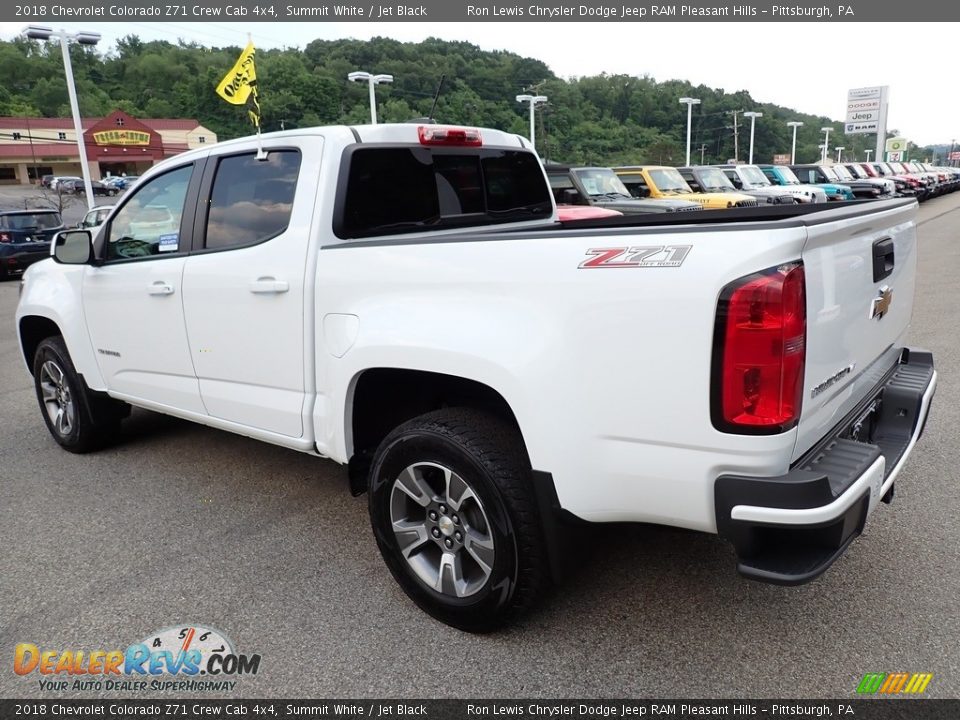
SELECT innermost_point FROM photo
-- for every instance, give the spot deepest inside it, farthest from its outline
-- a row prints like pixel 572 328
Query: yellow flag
pixel 240 84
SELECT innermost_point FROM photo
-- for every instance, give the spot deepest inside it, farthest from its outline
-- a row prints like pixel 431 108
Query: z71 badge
pixel 633 257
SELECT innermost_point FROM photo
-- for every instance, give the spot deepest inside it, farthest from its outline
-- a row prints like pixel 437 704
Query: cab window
pixel 148 225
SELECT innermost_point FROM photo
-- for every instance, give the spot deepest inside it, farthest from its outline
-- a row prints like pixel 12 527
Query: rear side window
pixel 393 190
pixel 251 199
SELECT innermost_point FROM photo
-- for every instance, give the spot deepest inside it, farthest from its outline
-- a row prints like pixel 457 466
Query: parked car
pixel 660 182
pixel 802 192
pixel 77 187
pixel 571 213
pixel 904 188
pixel 56 180
pixel 121 182
pixel 25 238
pixel 487 376
pixel 886 188
pixel 745 179
pixel 601 187
pixel 826 178
pixel 95 218
pixel 45 180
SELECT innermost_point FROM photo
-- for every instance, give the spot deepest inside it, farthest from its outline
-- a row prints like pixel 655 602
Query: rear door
pixel 244 286
pixel 860 268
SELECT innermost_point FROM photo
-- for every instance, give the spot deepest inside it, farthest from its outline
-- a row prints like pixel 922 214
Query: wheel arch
pixel 382 398
pixel 33 330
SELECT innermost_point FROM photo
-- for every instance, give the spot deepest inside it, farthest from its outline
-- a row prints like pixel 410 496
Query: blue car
pixel 25 237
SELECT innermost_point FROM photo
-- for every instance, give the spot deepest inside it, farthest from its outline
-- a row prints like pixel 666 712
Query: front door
pixel 133 300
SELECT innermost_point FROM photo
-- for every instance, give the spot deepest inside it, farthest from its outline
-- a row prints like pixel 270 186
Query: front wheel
pixel 77 420
pixel 453 513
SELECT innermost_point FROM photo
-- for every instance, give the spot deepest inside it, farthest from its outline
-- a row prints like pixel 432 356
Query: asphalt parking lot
pixel 184 524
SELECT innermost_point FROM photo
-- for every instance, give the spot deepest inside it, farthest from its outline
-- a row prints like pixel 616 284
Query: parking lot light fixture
pixel 839 150
pixel 826 142
pixel 793 148
pixel 868 154
pixel 689 102
pixel 534 100
pixel 753 119
pixel 372 81
pixel 82 37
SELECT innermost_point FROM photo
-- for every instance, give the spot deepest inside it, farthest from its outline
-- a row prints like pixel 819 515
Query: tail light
pixel 4 237
pixel 447 135
pixel 759 352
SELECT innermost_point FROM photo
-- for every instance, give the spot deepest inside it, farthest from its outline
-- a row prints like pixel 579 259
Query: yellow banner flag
pixel 238 84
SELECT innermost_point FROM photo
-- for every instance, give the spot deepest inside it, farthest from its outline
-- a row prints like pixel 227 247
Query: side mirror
pixel 72 247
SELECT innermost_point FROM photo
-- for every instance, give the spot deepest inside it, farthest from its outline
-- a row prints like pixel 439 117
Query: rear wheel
pixel 454 517
pixel 76 418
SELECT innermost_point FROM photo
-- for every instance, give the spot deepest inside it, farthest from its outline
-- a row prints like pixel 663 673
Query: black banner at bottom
pixel 876 709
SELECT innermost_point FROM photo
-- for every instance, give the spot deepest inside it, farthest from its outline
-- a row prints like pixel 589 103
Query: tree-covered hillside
pixel 608 119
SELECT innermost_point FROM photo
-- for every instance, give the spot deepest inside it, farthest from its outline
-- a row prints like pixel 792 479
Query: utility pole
pixel 736 136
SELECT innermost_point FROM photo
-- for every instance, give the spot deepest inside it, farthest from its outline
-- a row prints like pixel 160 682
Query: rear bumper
pixel 789 529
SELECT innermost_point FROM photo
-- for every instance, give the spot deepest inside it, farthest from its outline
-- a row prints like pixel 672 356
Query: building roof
pixel 37 123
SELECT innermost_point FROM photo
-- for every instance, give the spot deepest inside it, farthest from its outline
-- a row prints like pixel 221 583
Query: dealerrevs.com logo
pixel 183 658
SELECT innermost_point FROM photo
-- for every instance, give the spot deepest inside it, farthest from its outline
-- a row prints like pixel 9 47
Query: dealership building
pixel 117 144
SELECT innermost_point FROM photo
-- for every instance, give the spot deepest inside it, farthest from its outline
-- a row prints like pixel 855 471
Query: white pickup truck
pixel 401 300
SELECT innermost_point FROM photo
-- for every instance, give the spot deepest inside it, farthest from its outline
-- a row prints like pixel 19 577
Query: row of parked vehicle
pixel 658 188
pixel 71 184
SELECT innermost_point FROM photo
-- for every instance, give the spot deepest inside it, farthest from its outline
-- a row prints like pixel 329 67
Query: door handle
pixel 883 259
pixel 160 288
pixel 264 285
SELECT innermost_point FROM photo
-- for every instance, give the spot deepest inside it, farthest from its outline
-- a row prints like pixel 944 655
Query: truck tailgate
pixel 860 268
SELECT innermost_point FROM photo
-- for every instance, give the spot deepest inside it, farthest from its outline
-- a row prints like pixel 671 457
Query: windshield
pixel 829 172
pixel 789 178
pixel 898 168
pixel 32 221
pixel 601 181
pixel 754 175
pixel 713 180
pixel 857 171
pixel 669 180
pixel 884 168
pixel 841 172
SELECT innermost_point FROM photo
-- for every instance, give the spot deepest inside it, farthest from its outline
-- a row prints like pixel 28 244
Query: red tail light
pixel 759 352
pixel 4 237
pixel 447 135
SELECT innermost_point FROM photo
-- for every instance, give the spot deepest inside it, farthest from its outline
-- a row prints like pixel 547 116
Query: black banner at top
pixel 640 11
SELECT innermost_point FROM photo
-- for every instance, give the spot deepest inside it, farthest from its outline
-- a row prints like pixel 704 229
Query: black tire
pixel 93 421
pixel 488 454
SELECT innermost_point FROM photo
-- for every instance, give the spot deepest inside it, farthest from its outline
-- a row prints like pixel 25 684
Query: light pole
pixel 534 100
pixel 689 102
pixel 793 148
pixel 826 142
pixel 41 32
pixel 839 150
pixel 371 81
pixel 753 119
pixel 868 154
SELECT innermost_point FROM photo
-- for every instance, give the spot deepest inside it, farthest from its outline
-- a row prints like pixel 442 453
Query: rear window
pixel 393 190
pixel 30 221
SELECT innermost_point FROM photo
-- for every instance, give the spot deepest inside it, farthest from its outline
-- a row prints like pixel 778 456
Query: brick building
pixel 117 144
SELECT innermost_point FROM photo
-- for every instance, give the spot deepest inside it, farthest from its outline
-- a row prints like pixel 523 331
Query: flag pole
pixel 261 154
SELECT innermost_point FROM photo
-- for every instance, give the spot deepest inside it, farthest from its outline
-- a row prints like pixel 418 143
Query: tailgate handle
pixel 882 259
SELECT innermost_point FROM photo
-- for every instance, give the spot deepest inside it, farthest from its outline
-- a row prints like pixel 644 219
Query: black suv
pixel 25 237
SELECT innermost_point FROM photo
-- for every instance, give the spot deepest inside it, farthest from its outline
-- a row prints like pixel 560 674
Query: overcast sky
pixel 807 66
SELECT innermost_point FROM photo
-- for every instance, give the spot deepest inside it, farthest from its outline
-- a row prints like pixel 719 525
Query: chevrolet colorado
pixel 400 299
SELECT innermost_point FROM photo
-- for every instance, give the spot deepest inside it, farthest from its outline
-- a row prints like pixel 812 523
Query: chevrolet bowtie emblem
pixel 880 305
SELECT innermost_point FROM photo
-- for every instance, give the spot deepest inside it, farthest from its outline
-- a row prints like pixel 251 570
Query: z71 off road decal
pixel 632 257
